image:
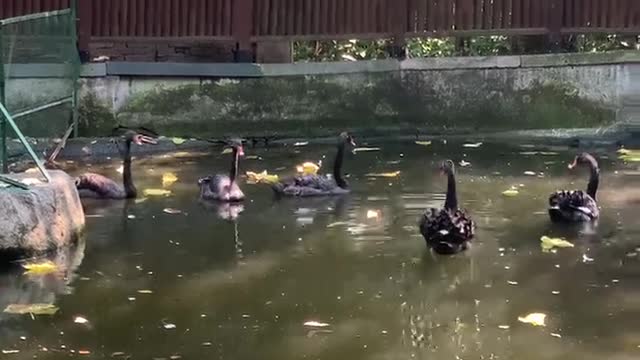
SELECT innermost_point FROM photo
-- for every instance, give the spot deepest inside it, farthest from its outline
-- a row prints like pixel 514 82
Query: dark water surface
pixel 220 289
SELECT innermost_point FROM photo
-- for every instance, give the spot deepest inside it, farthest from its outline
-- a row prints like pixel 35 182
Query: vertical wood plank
pixel 273 17
pixel 317 16
pixel 290 11
pixel 193 18
pixel 497 14
pixel 308 17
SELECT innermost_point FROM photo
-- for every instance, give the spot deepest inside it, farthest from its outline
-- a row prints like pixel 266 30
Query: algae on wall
pixel 452 101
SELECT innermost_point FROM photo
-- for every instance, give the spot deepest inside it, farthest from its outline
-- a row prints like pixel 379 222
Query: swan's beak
pixel 240 151
pixel 573 164
pixel 147 140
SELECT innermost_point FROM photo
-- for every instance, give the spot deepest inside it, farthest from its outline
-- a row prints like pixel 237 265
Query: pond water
pixel 196 286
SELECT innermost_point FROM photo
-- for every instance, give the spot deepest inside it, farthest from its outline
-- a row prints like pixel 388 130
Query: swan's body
pixel 577 205
pixel 447 230
pixel 91 185
pixel 318 185
pixel 222 187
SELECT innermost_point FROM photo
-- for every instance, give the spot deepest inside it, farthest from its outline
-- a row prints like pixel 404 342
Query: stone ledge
pixel 48 216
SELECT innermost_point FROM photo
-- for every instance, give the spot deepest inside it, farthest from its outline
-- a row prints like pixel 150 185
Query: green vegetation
pixel 351 50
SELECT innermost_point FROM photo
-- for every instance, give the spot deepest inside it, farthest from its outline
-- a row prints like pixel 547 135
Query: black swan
pixel 448 230
pixel 222 187
pixel 319 185
pixel 577 205
pixel 92 185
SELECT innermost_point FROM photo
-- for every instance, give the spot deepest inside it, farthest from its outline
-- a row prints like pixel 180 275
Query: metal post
pixel 76 42
pixel 3 122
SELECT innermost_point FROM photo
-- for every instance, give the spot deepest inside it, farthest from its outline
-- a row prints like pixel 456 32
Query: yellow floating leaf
pixel 301 143
pixel 227 151
pixel 364 149
pixel 373 214
pixel 631 157
pixel 35 309
pixel 120 169
pixel 316 324
pixel 308 168
pixel 548 243
pixel 252 157
pixel 464 163
pixel 156 192
pixel 168 179
pixel 178 141
pixel 141 200
pixel 172 211
pixel 623 151
pixel 511 192
pixel 423 143
pixel 145 292
pixel 262 177
pixel 44 268
pixel 385 175
pixel 535 319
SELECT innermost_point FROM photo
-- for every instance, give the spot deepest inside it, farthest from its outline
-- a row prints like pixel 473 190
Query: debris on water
pixel 84 352
pixel 586 259
pixel 23 338
pixel 423 143
pixel 169 326
pixel 535 319
pixel 43 268
pixel 384 175
pixel 316 324
pixel 464 163
pixel 511 192
pixel 168 179
pixel 366 149
pixel 504 327
pixel 262 177
pixel 131 298
pixel 157 192
pixel 80 320
pixel 118 354
pixel 338 223
pixel 615 281
pixel 373 214
pixel 141 200
pixel 308 168
pixel 131 217
pixel 226 151
pixel 530 173
pixel 145 291
pixel 9 352
pixel 172 211
pixel 207 343
pixel 556 335
pixel 301 143
pixel 120 169
pixel 512 282
pixel 548 243
pixel 34 309
pixel 555 292
pixel 178 141
pixel 473 145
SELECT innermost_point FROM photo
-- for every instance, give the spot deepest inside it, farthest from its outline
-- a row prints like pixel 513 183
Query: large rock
pixel 45 217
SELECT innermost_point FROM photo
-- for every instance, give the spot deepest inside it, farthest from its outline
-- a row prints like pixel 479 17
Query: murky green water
pixel 221 289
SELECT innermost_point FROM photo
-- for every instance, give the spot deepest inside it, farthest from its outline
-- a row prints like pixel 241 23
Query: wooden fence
pixel 247 21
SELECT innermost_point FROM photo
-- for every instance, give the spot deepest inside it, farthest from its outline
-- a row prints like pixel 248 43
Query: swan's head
pixel 139 139
pixel 447 167
pixel 584 159
pixel 346 138
pixel 236 145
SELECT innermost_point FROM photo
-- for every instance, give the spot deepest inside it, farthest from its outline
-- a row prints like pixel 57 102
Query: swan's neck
pixel 233 173
pixel 451 202
pixel 127 180
pixel 337 167
pixel 594 181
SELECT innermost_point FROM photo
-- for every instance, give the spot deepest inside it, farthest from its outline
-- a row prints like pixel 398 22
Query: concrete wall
pixel 445 95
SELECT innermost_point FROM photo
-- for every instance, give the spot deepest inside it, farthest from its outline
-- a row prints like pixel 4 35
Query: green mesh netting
pixel 41 67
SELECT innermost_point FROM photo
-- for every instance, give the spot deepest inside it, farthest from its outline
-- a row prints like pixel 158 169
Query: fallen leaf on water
pixel 172 211
pixel 464 163
pixel 511 192
pixel 308 168
pixel 364 149
pixel 262 177
pixel 43 268
pixel 168 179
pixel 316 324
pixel 8 352
pixel 473 145
pixel 156 192
pixel 80 320
pixel 556 335
pixel 423 143
pixel 169 326
pixel 535 319
pixel 301 143
pixel 623 151
pixel 503 327
pixel 120 169
pixel 339 223
pixel 84 352
pixel 178 141
pixel 145 292
pixel 141 200
pixel 118 354
pixel 548 243
pixel 227 151
pixel 35 309
pixel 373 214
pixel 252 157
pixel 385 175
pixel 530 173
